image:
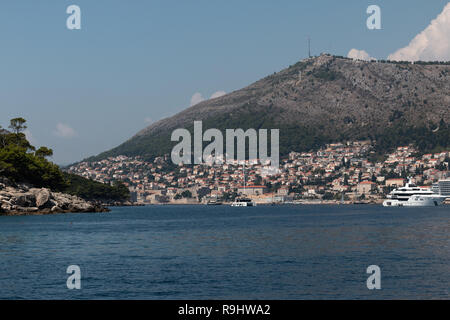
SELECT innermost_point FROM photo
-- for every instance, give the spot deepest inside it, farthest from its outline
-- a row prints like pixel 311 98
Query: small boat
pixel 213 202
pixel 243 202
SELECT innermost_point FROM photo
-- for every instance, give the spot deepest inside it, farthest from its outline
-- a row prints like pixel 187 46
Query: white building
pixel 444 187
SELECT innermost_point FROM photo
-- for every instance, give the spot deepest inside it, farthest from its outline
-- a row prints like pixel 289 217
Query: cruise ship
pixel 413 196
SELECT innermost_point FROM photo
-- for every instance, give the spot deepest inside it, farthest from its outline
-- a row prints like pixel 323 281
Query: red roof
pixel 367 182
pixel 240 187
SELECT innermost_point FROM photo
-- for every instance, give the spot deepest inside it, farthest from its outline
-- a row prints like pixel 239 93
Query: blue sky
pixel 86 91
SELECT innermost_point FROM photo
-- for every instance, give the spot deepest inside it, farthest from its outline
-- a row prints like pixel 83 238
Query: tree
pixel 186 194
pixel 328 196
pixel 19 164
pixel 17 125
pixel 374 178
pixel 345 180
pixel 296 189
pixel 43 152
pixel 2 138
pixel 92 190
pixel 229 196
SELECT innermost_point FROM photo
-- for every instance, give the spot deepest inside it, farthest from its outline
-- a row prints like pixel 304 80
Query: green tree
pixel 43 152
pixel 19 164
pixel 328 196
pixel 186 194
pixel 345 180
pixel 17 125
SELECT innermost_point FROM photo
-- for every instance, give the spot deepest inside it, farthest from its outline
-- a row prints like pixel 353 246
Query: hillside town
pixel 337 173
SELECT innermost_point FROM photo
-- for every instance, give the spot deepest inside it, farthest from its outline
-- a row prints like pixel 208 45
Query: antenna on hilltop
pixel 309 47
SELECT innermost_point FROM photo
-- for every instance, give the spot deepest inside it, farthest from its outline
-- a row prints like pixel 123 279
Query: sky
pixel 85 91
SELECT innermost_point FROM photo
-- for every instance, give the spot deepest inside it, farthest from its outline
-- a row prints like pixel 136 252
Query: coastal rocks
pixel 122 204
pixel 42 197
pixel 27 209
pixel 24 200
pixel 56 209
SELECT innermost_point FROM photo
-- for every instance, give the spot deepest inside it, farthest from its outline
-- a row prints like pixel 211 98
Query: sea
pixel 295 252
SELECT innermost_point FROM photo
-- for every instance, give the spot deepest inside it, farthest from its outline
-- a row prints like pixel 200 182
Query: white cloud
pixel 218 94
pixel 64 131
pixel 196 98
pixel 148 120
pixel 431 44
pixel 359 55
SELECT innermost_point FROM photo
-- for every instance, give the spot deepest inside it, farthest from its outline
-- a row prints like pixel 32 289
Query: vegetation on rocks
pixel 22 163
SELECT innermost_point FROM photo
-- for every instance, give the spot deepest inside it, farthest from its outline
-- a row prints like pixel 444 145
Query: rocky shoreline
pixel 25 200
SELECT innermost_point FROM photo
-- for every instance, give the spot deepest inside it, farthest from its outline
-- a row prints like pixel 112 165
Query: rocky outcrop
pixel 26 200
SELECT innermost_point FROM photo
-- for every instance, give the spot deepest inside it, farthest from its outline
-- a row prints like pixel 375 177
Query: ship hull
pixel 416 201
pixel 243 204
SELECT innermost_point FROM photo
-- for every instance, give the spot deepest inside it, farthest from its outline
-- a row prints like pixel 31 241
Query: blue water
pixel 220 252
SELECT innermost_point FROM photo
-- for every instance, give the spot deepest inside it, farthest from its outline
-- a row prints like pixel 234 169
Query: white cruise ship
pixel 413 196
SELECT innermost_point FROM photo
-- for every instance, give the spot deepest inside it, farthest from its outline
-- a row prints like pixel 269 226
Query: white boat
pixel 243 202
pixel 213 202
pixel 413 196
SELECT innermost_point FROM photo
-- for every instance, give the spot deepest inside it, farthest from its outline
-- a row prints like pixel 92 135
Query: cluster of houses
pixel 340 172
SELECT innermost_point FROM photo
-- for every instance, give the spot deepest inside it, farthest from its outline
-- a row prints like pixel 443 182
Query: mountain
pixel 320 100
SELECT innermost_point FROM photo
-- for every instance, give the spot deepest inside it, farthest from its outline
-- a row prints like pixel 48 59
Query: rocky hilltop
pixel 320 100
pixel 22 199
